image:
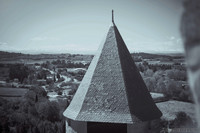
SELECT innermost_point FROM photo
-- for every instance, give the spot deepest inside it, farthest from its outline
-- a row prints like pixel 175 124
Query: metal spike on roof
pixel 113 16
pixel 112 89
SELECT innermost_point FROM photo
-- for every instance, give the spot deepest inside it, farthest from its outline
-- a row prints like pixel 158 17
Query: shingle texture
pixel 112 89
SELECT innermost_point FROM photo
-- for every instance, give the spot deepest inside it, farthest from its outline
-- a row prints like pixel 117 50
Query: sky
pixel 78 26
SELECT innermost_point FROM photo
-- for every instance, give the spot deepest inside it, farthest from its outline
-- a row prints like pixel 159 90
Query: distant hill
pixel 8 55
pixel 11 56
pixel 154 56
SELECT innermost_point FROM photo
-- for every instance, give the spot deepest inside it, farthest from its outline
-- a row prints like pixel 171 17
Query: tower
pixel 112 96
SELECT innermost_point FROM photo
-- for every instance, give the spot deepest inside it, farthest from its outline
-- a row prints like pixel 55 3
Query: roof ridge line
pixel 122 46
pixel 115 27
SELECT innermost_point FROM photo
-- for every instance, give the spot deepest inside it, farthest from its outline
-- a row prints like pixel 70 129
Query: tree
pixel 63 62
pixel 18 71
pixel 60 93
pixel 58 76
pixel 73 89
pixel 176 74
pixel 145 63
pixel 27 115
pixel 148 73
pixel 182 120
pixel 140 67
pixel 48 110
pixel 160 86
pixel 150 83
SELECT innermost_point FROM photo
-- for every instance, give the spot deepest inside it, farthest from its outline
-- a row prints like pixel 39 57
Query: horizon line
pixel 87 52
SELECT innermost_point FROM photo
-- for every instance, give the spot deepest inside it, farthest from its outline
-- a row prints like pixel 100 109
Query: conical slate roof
pixel 112 89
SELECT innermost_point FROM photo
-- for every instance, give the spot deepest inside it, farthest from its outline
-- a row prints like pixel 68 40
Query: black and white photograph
pixel 99 66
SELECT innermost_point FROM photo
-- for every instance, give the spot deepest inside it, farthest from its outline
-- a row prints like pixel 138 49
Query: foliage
pixel 68 64
pixel 18 71
pixel 176 74
pixel 48 110
pixel 49 81
pixel 171 82
pixel 61 79
pixel 33 114
pixel 58 76
pixel 66 84
pixel 182 120
pixel 60 93
pixel 73 88
pixel 43 74
pixel 46 65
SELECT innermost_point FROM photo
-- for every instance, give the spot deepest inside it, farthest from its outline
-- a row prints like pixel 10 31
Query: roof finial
pixel 113 16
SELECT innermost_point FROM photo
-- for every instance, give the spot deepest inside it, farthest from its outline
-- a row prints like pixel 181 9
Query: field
pixel 59 75
pixel 12 92
pixel 172 107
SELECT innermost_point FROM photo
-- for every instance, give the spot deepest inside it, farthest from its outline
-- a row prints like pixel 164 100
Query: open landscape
pixel 74 66
pixel 53 80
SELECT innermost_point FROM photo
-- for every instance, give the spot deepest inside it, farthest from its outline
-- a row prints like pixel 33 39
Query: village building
pixel 112 97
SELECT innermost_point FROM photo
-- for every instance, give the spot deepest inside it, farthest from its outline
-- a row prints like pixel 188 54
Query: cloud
pixel 3 43
pixel 172 38
pixel 169 44
pixel 59 48
pixel 6 47
pixel 44 38
pixel 64 47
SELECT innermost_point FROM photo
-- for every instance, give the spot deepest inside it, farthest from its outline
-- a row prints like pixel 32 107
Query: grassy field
pixel 171 108
pixel 12 92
